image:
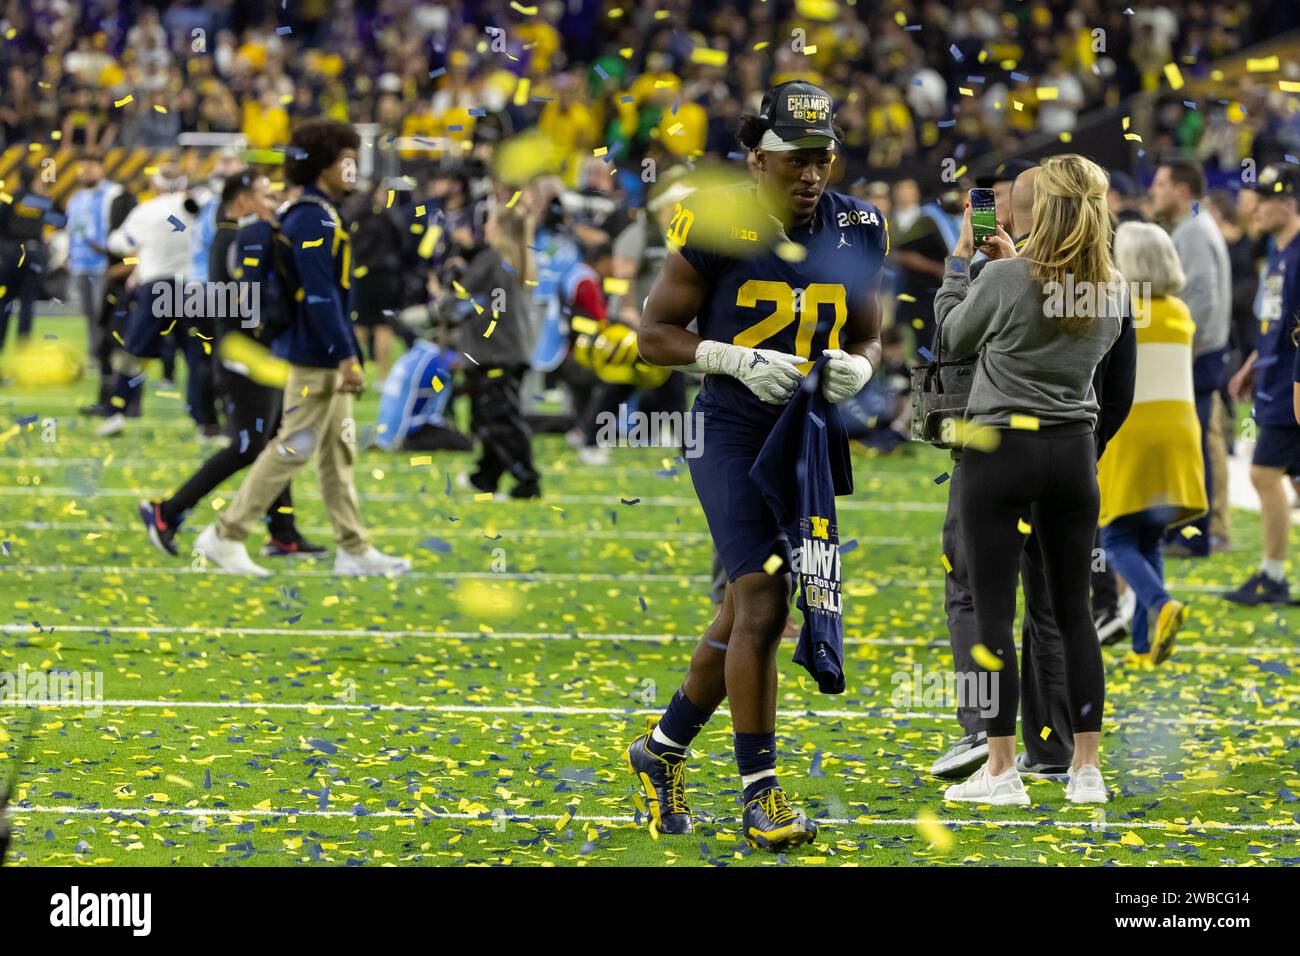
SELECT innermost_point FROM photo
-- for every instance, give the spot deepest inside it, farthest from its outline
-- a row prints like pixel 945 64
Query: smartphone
pixel 983 216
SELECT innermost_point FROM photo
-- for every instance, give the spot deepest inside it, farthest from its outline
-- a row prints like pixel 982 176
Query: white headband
pixel 775 144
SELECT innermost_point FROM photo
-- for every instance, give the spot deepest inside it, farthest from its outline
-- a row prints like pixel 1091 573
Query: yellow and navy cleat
pixel 1173 614
pixel 664 781
pixel 771 823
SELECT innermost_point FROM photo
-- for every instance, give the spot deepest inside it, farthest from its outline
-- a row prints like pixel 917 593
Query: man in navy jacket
pixel 324 359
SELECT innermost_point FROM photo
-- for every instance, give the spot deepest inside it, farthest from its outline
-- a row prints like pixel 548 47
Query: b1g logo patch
pixel 809 108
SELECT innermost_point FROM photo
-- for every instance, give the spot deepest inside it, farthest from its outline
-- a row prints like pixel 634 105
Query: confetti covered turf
pixel 475 712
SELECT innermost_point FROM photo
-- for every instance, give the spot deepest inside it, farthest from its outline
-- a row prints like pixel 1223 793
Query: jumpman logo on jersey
pixel 844 241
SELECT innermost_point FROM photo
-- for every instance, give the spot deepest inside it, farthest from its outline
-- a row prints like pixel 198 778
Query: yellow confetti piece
pixel 939 837
pixel 1288 86
pixel 313 243
pixel 159 109
pixel 1263 64
pixel 129 98
pixel 487 334
pixel 773 563
pixel 1066 136
pixel 131 261
pixel 961 171
pixel 1023 526
pixel 391 195
pixel 810 49
pixel 615 286
pixel 761 45
pixel 1174 76
pixel 985 658
pixel 1047 92
pixel 483 496
pixel 709 57
pixel 791 251
pixel 675 129
pixel 1132 839
pixel 1190 532
pixel 904 297
pixel 1045 733
pixel 520 8
pixel 1124 122
pixel 947 565
pixel 437 384
pixel 600 151
pixel 330 600
pixel 965 91
pixel 514 199
pixel 1133 137
pixel 1027 423
pixel 417 460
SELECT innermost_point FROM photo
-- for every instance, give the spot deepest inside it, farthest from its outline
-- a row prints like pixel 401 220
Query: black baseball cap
pixel 1277 180
pixel 796 111
pixel 1004 173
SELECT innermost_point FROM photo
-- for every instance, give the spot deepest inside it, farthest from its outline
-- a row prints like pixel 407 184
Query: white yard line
pixel 883 713
pixel 851 587
pixel 1094 824
pixel 610 500
pixel 599 636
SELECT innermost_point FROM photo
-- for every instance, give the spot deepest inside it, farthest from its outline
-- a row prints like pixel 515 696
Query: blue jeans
pixel 1132 545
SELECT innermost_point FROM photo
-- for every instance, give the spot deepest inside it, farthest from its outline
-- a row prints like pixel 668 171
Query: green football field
pixel 475 712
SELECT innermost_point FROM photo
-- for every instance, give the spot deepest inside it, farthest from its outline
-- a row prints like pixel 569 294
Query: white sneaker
pixel 1128 602
pixel 983 787
pixel 230 556
pixel 593 455
pixel 1086 785
pixel 373 561
pixel 112 425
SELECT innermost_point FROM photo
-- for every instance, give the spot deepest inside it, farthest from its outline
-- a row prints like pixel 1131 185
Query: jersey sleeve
pixel 691 240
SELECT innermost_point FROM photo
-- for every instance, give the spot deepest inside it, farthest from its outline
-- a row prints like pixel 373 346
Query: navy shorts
pixel 144 331
pixel 1278 447
pixel 744 529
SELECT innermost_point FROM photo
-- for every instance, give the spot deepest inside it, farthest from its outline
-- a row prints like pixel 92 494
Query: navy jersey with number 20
pixel 794 292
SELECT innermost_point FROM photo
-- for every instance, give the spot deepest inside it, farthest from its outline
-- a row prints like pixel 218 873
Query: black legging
pixel 253 417
pixel 497 417
pixel 1052 474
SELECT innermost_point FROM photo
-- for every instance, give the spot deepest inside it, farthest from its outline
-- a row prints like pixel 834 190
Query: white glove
pixel 844 375
pixel 772 376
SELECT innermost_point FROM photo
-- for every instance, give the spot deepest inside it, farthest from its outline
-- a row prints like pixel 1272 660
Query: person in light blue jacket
pixel 88 228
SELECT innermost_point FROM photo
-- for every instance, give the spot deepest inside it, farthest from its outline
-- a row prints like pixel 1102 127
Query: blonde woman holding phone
pixel 1039 323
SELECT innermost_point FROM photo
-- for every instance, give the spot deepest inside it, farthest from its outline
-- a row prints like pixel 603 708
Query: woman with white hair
pixel 1153 475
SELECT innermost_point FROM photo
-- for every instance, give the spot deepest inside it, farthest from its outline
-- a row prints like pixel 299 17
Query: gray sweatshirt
pixel 1027 365
pixel 1208 292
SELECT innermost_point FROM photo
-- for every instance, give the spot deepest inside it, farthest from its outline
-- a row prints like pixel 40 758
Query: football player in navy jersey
pixel 776 273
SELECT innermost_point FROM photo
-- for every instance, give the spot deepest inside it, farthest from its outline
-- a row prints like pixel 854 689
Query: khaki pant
pixel 313 423
pixel 1219 463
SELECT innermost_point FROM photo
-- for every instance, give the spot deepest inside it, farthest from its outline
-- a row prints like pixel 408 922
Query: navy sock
pixel 754 754
pixel 125 389
pixel 681 722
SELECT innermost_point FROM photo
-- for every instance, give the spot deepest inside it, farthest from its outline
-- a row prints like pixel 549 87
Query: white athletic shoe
pixel 373 561
pixel 1086 786
pixel 230 556
pixel 593 455
pixel 112 425
pixel 983 787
